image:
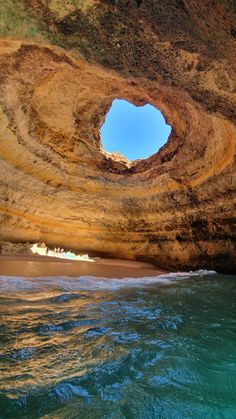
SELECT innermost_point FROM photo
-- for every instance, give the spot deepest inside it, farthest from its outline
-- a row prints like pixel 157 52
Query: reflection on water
pixel 119 349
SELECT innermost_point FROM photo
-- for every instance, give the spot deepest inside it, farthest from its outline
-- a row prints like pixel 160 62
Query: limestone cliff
pixel 61 65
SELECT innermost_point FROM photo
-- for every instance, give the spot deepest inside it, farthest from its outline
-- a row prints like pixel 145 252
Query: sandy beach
pixel 38 266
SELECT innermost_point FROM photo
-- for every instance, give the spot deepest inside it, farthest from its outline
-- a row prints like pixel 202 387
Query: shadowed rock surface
pixel 61 65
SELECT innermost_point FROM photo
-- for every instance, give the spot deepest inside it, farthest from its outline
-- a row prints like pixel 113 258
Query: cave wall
pixel 61 65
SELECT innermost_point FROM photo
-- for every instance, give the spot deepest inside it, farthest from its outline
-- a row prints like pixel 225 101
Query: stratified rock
pixel 61 65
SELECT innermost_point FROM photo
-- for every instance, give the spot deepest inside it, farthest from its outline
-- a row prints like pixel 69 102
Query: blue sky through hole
pixel 135 132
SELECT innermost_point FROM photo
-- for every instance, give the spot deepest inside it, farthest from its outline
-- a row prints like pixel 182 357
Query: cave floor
pixel 43 266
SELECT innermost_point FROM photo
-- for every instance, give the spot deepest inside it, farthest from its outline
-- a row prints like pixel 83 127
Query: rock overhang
pixel 175 208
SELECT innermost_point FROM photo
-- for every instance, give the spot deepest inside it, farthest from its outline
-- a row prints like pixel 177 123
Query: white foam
pixel 16 284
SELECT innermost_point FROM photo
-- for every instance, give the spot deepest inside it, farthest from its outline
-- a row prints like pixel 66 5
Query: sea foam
pixel 88 283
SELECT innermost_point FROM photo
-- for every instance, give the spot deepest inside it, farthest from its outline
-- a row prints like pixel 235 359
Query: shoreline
pixel 45 266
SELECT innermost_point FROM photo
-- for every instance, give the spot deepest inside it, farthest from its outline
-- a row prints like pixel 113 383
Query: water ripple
pixel 157 349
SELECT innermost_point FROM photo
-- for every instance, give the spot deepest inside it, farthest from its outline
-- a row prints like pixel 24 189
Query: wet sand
pixel 39 266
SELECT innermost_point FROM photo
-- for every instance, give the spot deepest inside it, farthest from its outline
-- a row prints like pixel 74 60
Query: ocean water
pixel 143 348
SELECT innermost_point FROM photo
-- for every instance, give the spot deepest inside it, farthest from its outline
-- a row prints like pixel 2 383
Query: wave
pixel 16 284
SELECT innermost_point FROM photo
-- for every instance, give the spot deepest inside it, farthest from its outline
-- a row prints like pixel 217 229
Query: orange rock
pixel 58 185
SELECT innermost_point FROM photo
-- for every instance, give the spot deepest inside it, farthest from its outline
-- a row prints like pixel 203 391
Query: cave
pixel 174 208
pixel 117 252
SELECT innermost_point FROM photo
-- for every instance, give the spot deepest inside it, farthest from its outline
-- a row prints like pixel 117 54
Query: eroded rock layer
pixel 58 77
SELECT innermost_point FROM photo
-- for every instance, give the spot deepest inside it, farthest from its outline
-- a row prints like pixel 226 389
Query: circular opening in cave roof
pixel 134 132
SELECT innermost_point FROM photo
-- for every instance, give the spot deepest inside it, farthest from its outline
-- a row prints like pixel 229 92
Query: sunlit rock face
pixel 61 65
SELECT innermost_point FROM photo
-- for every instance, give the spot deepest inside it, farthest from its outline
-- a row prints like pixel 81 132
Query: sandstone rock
pixel 58 185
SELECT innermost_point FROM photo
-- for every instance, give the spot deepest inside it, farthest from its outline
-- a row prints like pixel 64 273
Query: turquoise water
pixel 85 348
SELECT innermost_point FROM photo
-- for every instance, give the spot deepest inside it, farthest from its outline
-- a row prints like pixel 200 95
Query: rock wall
pixel 61 65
